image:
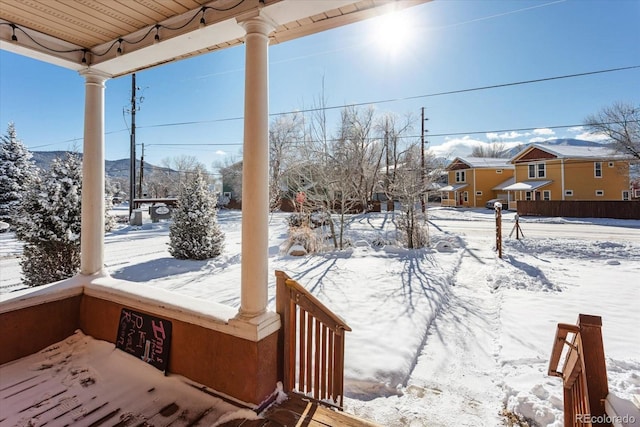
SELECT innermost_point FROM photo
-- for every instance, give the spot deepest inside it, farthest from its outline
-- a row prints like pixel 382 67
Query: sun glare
pixel 392 32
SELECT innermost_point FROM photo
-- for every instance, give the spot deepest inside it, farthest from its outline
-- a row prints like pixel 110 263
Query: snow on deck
pixel 82 381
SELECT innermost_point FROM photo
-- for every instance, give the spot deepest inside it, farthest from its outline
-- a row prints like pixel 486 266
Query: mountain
pixel 113 168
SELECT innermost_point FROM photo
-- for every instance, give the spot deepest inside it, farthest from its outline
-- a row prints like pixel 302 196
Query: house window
pixel 460 176
pixel 625 195
pixel 597 169
pixel 528 195
pixel 636 192
pixel 568 193
pixel 465 196
pixel 546 195
pixel 599 193
pixel 498 170
pixel 478 193
pixel 541 170
pixel 537 170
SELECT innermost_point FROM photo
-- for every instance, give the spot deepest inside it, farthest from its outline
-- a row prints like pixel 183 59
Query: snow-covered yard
pixel 442 336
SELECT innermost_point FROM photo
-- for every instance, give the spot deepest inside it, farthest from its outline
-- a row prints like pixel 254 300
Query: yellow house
pixel 473 181
pixel 558 172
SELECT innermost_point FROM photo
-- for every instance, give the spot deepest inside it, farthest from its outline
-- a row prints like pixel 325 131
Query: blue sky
pixel 449 46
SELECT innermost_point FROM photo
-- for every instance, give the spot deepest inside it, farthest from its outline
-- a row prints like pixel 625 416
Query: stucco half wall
pixel 207 346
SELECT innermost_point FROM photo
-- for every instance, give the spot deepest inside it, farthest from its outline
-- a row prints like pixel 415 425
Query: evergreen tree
pixel 17 170
pixel 49 223
pixel 194 232
pixel 109 219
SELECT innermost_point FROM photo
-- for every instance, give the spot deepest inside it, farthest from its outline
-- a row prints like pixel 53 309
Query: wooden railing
pixel 311 344
pixel 584 373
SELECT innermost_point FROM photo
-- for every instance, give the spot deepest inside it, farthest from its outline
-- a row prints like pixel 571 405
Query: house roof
pixel 505 184
pixel 65 32
pixel 526 185
pixel 571 152
pixel 481 162
pixel 454 187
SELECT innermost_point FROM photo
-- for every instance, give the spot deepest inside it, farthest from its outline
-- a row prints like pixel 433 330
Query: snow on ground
pixel 442 336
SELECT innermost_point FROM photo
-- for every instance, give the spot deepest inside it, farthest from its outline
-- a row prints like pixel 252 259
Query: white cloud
pixel 544 131
pixel 456 147
pixel 576 129
pixel 538 139
pixel 505 135
pixel 594 137
pixel 462 147
pixel 221 153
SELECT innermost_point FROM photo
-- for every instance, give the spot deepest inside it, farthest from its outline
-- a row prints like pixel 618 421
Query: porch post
pixel 92 235
pixel 255 169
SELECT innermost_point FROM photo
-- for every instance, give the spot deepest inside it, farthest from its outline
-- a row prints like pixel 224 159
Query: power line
pixel 478 132
pixel 383 101
pixel 409 98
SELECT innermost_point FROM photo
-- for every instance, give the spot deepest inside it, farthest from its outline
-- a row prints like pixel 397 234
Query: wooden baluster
pixel 339 366
pixel 330 369
pixel 323 366
pixel 309 351
pixel 303 349
pixel 290 345
pixel 569 407
pixel 316 367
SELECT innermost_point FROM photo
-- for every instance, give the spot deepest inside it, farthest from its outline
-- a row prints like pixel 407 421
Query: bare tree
pixel 392 134
pixel 496 150
pixel 285 134
pixel 407 187
pixel 357 151
pixel 620 122
pixel 175 173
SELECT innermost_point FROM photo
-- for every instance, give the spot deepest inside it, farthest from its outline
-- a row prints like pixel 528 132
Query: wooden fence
pixel 312 343
pixel 584 373
pixel 580 208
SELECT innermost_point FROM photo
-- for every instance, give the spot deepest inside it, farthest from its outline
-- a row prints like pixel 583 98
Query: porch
pixel 234 351
pixel 75 370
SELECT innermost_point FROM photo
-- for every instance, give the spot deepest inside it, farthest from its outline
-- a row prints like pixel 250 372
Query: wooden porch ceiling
pixel 66 32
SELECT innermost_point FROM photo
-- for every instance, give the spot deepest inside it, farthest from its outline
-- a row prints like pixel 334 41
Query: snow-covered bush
pixel 17 170
pixel 298 219
pixel 306 237
pixel 49 223
pixel 194 232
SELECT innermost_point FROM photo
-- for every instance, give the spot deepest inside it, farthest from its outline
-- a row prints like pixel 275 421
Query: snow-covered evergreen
pixel 109 219
pixel 17 171
pixel 194 232
pixel 49 223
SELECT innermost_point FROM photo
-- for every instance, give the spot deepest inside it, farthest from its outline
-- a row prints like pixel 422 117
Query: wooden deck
pixel 86 382
pixel 298 411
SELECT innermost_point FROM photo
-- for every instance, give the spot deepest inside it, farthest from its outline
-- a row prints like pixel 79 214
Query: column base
pixel 255 328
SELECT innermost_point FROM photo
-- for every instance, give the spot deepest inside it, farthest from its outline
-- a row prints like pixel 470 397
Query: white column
pixel 92 235
pixel 255 171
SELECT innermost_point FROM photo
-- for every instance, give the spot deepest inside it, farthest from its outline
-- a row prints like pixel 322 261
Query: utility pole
pixel 132 155
pixel 422 193
pixel 386 177
pixel 140 192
